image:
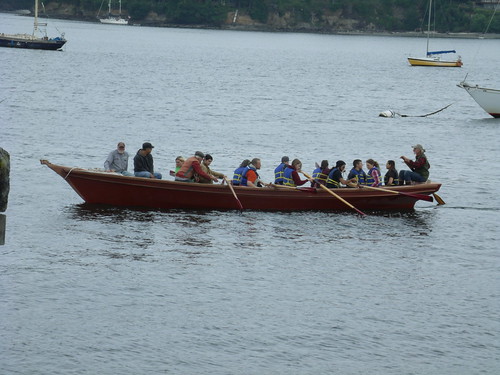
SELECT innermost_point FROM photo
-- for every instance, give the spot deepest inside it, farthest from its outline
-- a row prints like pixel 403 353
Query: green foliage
pixel 191 12
pixel 259 10
pixel 137 9
pixel 389 15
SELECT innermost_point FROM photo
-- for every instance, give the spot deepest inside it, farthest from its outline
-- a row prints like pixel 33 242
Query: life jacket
pixel 237 175
pixel 424 170
pixel 244 180
pixel 369 178
pixel 278 174
pixel 287 177
pixel 360 176
pixel 330 182
pixel 319 175
pixel 395 180
pixel 187 171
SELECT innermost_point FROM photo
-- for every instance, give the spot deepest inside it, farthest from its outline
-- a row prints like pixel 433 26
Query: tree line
pixel 373 15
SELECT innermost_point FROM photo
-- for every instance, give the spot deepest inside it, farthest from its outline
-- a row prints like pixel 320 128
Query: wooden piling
pixel 4 190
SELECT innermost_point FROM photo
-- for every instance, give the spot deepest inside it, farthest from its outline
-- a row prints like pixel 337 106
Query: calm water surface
pixel 88 290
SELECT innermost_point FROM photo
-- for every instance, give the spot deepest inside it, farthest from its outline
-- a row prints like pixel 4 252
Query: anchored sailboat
pixel 488 99
pixel 433 58
pixel 33 41
pixel 113 19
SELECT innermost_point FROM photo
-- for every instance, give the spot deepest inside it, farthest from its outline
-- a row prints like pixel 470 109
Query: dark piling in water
pixel 4 190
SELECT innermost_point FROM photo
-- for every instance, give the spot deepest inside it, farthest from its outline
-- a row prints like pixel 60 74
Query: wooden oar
pixel 416 196
pixel 305 189
pixel 335 195
pixel 234 193
pixel 438 199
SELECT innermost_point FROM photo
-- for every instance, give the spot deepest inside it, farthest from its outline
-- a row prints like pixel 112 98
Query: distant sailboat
pixel 112 19
pixel 33 41
pixel 433 58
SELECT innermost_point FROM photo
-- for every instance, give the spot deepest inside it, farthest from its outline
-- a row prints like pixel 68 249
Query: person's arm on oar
pixel 296 179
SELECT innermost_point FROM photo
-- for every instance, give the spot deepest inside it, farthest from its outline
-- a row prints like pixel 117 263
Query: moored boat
pixel 33 41
pixel 435 61
pixel 98 187
pixel 433 58
pixel 488 99
pixel 113 19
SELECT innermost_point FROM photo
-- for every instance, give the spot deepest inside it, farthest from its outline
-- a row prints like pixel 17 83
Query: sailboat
pixel 33 41
pixel 488 99
pixel 111 19
pixel 433 58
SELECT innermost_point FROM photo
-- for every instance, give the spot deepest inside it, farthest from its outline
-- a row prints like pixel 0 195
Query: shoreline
pixel 300 30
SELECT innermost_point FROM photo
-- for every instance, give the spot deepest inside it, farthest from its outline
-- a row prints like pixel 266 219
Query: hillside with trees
pixel 451 16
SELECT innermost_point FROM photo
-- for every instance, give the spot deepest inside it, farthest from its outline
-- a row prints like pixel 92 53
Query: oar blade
pixel 438 199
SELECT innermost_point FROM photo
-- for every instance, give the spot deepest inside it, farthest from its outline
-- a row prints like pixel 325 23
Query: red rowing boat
pixel 98 187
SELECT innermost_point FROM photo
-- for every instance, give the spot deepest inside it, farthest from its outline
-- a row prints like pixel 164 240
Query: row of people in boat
pixel 197 169
pixel 193 169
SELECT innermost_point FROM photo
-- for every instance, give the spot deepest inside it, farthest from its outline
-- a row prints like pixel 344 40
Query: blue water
pixel 86 290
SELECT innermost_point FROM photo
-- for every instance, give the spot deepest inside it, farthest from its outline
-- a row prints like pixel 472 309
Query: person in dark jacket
pixel 419 168
pixel 391 177
pixel 143 162
pixel 335 179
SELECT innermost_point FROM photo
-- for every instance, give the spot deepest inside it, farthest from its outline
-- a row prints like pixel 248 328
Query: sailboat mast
pixel 429 27
pixel 35 24
pixel 109 8
pixel 120 12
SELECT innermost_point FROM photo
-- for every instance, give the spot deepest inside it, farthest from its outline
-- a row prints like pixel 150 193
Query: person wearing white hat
pixel 419 168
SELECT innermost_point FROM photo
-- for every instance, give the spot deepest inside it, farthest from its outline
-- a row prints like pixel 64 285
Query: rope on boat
pixel 71 170
pixel 392 114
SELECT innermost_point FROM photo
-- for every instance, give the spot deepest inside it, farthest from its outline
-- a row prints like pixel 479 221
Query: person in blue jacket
pixel 358 172
pixel 280 170
pixel 238 172
pixel 320 174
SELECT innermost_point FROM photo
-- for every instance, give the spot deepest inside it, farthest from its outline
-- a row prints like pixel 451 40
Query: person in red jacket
pixel 291 176
pixel 192 166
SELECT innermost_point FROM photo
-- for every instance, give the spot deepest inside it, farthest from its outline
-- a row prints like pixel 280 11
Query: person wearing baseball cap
pixel 191 170
pixel 117 161
pixel 143 162
pixel 419 169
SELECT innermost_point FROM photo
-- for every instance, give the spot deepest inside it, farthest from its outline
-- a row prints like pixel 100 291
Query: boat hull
pixel 31 43
pixel 429 61
pixel 114 21
pixel 96 187
pixel 488 99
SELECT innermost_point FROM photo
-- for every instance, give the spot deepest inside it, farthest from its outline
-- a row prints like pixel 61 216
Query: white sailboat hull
pixel 488 99
pixel 114 21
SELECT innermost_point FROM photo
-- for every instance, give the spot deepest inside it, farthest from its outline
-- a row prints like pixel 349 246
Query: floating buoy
pixel 387 113
pixel 391 114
